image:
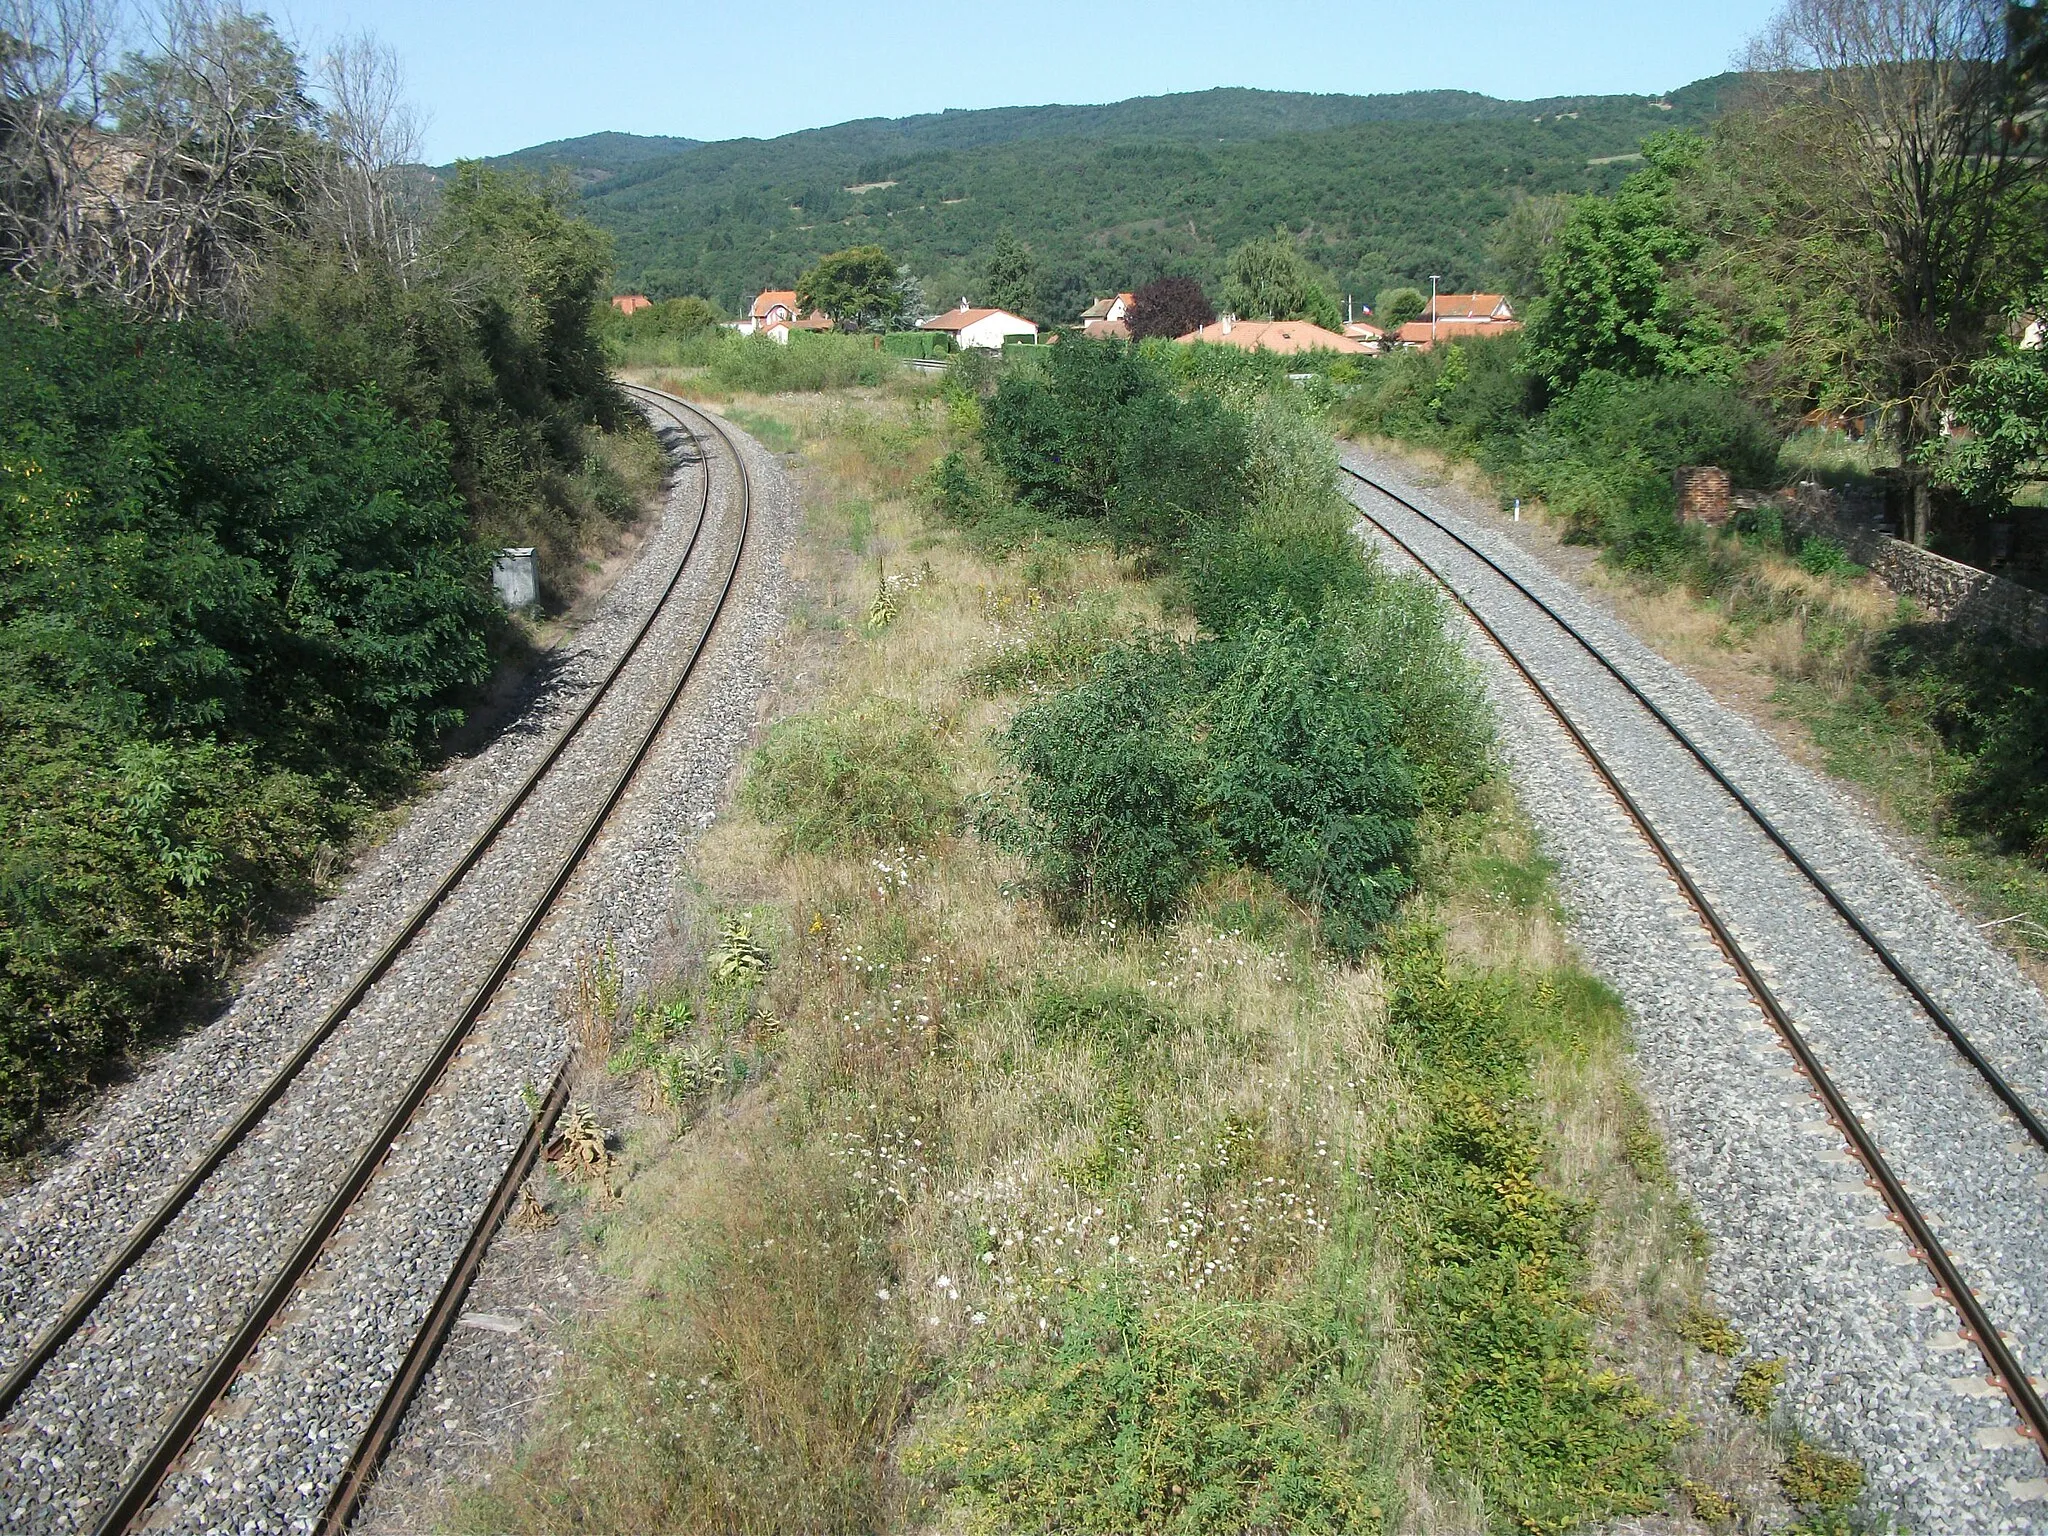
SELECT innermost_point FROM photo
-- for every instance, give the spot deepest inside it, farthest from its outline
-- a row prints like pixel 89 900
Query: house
pixel 984 328
pixel 1470 309
pixel 1274 336
pixel 631 303
pixel 774 312
pixel 1106 317
pixel 1368 335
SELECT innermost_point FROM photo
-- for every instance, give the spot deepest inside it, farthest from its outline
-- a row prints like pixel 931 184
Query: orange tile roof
pixel 1470 306
pixel 1275 336
pixel 786 297
pixel 960 319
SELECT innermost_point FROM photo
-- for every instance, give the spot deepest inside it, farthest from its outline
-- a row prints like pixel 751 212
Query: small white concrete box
pixel 516 575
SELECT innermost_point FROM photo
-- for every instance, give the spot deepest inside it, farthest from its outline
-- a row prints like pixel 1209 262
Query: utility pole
pixel 1434 279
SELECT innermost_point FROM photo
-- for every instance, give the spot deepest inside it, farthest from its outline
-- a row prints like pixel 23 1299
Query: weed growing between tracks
pixel 1007 1224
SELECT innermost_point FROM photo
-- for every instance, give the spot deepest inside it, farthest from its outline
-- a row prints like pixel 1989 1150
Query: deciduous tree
pixel 1271 280
pixel 1889 124
pixel 860 287
pixel 1169 307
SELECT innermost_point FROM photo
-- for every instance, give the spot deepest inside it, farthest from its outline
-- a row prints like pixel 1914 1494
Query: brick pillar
pixel 1702 494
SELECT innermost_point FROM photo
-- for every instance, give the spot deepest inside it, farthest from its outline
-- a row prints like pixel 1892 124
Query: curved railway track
pixel 146 1465
pixel 1979 1329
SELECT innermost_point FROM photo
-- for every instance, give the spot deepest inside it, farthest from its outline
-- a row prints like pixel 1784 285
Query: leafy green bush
pixel 870 777
pixel 237 607
pixel 1097 433
pixel 1304 778
pixel 1401 653
pixel 1111 788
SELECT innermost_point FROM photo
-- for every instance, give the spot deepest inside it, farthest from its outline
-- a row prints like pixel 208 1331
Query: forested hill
pixel 1109 196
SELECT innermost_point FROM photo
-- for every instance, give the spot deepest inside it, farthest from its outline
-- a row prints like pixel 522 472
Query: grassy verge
pixel 940 1212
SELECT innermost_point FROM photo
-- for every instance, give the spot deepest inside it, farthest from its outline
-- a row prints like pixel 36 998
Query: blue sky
pixel 499 76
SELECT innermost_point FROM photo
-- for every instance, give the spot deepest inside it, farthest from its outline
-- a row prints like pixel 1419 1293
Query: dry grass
pixel 944 1166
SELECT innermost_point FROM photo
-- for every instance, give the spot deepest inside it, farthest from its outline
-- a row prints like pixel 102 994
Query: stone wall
pixel 1946 589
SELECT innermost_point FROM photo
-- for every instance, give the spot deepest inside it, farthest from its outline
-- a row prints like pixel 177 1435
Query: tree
pixel 1887 125
pixel 1169 307
pixel 1521 242
pixel 1271 280
pixel 2003 400
pixel 209 156
pixel 1613 303
pixel 859 287
pixel 1393 308
pixel 1009 276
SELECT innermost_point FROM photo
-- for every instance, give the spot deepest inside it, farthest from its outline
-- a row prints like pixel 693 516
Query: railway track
pixel 111 1483
pixel 1401 522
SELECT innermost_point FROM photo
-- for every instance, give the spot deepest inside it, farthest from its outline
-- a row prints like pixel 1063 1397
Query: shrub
pixel 1305 780
pixel 1298 559
pixel 1097 433
pixel 1110 788
pixel 1401 652
pixel 1756 1387
pixel 871 777
pixel 1816 1480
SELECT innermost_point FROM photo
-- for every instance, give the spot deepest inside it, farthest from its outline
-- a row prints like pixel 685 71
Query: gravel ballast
pixel 266 1462
pixel 1805 1260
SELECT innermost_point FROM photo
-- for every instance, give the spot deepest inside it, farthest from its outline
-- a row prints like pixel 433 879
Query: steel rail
pixel 375 1443
pixel 151 1227
pixel 1978 1327
pixel 147 1475
pixel 1993 1078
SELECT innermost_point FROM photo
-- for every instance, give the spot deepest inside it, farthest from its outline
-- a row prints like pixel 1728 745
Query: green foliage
pixel 869 778
pixel 1305 780
pixel 1393 308
pixel 1111 811
pixel 1986 702
pixel 1270 279
pixel 1057 650
pixel 2004 403
pixel 1521 243
pixel 1707 1330
pixel 1297 559
pixel 1818 1481
pixel 1612 303
pixel 236 605
pixel 1101 435
pixel 1009 277
pixel 1178 1419
pixel 1756 1387
pixel 1493 1258
pixel 859 287
pixel 1115 1021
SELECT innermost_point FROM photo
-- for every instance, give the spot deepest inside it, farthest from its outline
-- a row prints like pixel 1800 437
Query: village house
pixel 1455 317
pixel 631 303
pixel 1107 317
pixel 984 328
pixel 1366 334
pixel 1273 336
pixel 774 315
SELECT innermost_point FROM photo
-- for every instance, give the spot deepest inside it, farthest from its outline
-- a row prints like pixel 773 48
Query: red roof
pixel 786 297
pixel 632 303
pixel 1275 336
pixel 1471 306
pixel 960 319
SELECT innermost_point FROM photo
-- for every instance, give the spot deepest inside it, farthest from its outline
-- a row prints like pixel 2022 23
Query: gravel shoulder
pixel 1805 1260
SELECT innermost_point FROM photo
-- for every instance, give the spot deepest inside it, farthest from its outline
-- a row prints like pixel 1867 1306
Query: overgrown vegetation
pixel 1158 1199
pixel 263 417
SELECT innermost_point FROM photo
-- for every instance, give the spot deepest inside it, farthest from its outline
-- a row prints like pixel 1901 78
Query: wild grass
pixel 1023 1225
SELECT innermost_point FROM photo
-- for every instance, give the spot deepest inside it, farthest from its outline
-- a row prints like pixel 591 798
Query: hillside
pixel 595 157
pixel 1108 196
